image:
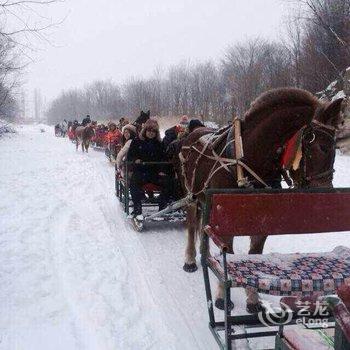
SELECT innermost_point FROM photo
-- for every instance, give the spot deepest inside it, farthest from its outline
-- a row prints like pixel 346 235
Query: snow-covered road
pixel 73 273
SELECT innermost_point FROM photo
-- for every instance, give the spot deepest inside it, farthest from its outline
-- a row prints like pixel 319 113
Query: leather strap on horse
pixel 241 180
pixel 225 163
pixel 329 127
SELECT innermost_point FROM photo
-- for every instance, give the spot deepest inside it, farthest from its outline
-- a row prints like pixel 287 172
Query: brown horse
pixel 271 121
pixel 84 135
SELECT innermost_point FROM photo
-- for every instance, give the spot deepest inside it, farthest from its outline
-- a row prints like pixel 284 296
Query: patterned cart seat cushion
pixel 288 274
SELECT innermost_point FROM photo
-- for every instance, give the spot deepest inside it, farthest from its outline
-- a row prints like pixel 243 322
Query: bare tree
pixel 325 41
pixel 204 88
pixel 253 67
pixel 21 25
pixel 294 43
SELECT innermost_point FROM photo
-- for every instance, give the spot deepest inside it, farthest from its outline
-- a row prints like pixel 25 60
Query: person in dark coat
pixel 195 124
pixel 148 148
pixel 175 132
pixel 75 125
pixel 86 121
pixel 174 147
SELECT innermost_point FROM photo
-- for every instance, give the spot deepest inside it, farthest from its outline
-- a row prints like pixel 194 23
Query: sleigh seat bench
pixel 230 213
pixel 288 274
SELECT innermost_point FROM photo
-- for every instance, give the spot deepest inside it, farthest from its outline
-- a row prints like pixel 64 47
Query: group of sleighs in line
pixel 286 132
pixel 139 143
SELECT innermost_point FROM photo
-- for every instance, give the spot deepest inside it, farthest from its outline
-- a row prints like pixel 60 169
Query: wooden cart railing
pixel 230 213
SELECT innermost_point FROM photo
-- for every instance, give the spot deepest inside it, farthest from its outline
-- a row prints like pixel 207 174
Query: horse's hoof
pixel 255 308
pixel 220 304
pixel 190 267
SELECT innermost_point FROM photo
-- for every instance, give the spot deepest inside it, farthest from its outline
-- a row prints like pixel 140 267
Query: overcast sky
pixel 116 39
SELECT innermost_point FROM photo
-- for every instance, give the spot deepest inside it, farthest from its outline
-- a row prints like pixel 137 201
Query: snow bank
pixel 73 273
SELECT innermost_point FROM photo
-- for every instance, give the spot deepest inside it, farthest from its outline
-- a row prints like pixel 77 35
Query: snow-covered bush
pixel 6 128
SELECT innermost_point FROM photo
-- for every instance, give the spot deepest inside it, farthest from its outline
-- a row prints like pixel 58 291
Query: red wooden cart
pixel 230 213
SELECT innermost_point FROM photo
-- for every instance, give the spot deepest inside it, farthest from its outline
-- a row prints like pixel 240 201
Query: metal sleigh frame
pixel 226 326
pixel 123 194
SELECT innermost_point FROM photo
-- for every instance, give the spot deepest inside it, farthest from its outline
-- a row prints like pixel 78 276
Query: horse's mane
pixel 278 98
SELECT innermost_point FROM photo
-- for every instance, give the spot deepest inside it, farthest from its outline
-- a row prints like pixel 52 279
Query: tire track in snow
pixel 143 334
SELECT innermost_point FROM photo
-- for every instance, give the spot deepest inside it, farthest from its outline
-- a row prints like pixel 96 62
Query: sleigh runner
pixel 230 213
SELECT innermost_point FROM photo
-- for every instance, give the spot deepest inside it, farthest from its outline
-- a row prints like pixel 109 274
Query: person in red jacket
pixel 113 138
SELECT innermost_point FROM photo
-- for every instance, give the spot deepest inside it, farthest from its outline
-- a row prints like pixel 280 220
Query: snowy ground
pixel 73 273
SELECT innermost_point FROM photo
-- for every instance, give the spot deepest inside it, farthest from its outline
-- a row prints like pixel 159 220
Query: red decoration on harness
pixel 291 149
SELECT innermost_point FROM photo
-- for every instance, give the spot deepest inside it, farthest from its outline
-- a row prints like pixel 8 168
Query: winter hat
pixel 150 124
pixel 184 120
pixel 112 125
pixel 129 127
pixel 194 124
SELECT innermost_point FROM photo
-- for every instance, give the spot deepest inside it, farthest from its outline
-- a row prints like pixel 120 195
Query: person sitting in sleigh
pixel 113 139
pixel 148 148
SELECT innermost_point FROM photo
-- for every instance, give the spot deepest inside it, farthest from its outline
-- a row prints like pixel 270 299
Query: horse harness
pixel 221 162
pixel 308 137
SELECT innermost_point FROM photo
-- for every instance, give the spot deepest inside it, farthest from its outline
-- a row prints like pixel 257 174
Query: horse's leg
pixel 76 143
pixel 219 297
pixel 87 144
pixel 220 292
pixel 253 302
pixel 190 253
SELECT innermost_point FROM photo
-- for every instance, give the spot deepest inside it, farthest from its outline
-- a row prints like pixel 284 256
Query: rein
pixel 221 162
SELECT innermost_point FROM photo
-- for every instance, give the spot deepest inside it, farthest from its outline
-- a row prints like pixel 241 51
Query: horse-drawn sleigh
pixel 289 133
pixel 231 181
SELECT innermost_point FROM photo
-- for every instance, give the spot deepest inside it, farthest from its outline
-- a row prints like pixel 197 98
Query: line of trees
pixel 22 27
pixel 314 51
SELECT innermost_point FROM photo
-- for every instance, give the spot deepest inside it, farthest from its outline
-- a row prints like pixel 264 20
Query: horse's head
pixel 318 145
pixel 143 117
